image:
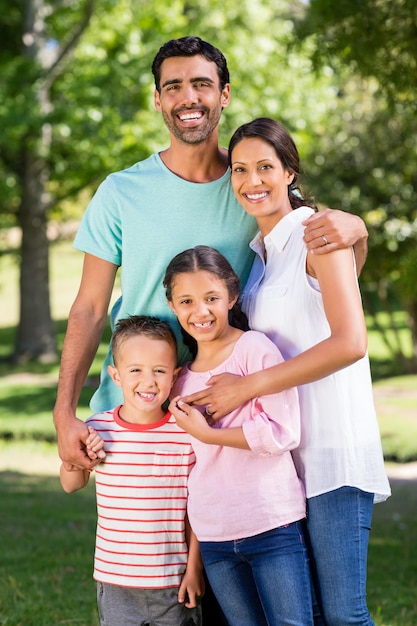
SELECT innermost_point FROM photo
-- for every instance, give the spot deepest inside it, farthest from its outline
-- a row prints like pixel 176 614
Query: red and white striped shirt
pixel 141 489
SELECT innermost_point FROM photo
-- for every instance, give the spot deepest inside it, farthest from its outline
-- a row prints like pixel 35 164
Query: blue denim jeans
pixel 337 533
pixel 262 580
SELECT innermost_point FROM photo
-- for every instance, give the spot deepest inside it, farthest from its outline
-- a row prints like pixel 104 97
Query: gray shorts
pixel 125 606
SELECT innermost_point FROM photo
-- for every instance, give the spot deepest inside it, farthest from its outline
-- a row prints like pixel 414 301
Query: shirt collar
pixel 282 231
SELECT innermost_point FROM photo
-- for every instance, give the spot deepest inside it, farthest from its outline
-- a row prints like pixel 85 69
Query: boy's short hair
pixel 144 325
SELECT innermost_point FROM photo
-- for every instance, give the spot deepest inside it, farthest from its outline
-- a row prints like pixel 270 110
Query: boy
pixel 145 571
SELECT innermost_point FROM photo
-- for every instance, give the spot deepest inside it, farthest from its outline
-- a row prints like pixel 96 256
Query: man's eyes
pixel 176 86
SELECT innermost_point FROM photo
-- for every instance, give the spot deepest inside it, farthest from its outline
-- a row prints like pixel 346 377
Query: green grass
pixel 382 363
pixel 47 540
pixel 396 403
pixel 392 562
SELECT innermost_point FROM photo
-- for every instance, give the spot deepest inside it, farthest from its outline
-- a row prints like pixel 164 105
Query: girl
pixel 246 502
pixel 310 306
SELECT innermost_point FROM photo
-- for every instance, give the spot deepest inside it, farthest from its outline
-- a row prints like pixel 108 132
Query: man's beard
pixel 196 135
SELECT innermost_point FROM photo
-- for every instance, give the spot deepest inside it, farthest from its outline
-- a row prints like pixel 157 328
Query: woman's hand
pixel 224 393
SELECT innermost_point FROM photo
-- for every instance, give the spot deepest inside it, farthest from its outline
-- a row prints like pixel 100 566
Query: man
pixel 141 217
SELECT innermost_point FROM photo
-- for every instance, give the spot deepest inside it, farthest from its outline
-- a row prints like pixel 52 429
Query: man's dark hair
pixel 189 47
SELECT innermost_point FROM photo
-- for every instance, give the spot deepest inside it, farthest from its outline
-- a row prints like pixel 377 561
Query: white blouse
pixel 340 441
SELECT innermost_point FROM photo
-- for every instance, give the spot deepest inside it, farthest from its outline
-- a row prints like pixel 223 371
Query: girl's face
pixel 260 182
pixel 201 302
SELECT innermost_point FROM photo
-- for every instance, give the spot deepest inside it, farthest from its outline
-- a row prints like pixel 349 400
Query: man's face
pixel 191 100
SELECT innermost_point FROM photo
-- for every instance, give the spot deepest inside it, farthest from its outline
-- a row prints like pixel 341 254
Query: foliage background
pixel 76 102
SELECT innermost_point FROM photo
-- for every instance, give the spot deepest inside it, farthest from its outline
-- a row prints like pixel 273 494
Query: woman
pixel 310 306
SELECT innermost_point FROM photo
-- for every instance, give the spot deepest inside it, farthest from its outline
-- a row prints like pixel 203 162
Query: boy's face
pixel 146 370
pixel 191 100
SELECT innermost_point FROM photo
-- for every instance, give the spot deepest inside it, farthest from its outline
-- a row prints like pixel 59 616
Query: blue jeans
pixel 337 532
pixel 262 580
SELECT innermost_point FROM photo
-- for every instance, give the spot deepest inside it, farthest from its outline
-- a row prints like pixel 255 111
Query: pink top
pixel 236 493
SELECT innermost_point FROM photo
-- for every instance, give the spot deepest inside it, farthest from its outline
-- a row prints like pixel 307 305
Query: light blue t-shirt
pixel 139 219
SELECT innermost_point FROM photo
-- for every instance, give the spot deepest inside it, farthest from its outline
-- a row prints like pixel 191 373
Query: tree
pixel 29 108
pixel 366 154
pixel 373 37
pixel 76 103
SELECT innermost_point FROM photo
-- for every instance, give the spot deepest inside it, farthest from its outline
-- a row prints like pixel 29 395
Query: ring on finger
pixel 325 240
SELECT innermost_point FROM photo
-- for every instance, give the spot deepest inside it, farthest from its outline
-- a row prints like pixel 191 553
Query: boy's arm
pixel 73 480
pixel 192 584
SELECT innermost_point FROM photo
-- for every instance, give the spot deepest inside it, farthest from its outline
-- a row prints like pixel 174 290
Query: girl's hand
pixel 225 393
pixel 94 445
pixel 192 587
pixel 190 419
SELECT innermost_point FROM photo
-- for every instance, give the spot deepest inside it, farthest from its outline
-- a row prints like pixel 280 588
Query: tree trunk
pixel 35 338
pixel 412 312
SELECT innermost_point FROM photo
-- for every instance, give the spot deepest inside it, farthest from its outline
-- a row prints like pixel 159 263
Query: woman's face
pixel 260 182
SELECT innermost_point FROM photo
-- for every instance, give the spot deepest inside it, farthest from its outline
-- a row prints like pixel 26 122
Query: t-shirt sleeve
pixel 100 230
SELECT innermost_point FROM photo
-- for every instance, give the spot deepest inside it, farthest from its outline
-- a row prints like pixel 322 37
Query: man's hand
pixel 331 229
pixel 72 445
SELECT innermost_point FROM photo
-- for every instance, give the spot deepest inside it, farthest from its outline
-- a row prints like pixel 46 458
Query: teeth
pixel 204 325
pixel 147 395
pixel 256 196
pixel 190 116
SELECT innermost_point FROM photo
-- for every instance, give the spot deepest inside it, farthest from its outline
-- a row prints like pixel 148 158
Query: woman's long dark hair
pixel 279 138
pixel 210 260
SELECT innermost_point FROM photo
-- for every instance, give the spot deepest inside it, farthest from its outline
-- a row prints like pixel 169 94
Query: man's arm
pixel 331 229
pixel 86 323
